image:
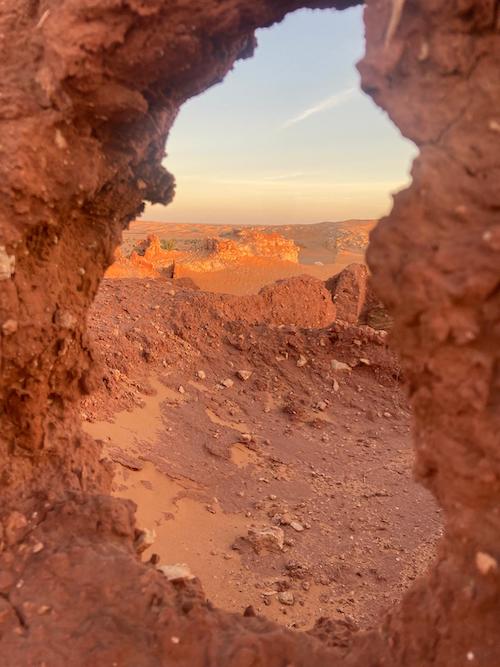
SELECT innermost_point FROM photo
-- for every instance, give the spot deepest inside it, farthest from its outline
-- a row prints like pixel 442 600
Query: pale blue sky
pixel 288 137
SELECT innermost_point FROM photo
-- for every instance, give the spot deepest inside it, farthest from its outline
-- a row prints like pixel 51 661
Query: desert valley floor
pixel 270 454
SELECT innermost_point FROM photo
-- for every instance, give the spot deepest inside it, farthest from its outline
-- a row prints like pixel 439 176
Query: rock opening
pixel 89 92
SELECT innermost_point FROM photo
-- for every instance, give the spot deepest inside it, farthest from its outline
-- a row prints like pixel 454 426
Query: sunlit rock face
pixel 217 253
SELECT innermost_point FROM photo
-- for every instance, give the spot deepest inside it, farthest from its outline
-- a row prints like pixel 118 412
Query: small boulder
pixel 244 375
pixel 269 538
pixel 176 572
pixel 145 540
pixel 348 290
pixel 296 526
pixel 9 327
pixel 301 361
pixel 340 366
pixel 286 597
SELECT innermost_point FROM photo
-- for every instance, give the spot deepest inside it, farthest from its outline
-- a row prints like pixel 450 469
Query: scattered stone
pixel 201 375
pixel 177 572
pixel 365 361
pixel 9 327
pixel 296 526
pixel 65 319
pixel 246 437
pixel 485 563
pixel 181 390
pixel 270 538
pixel 43 609
pixel 227 383
pixel 39 546
pixel 244 375
pixel 60 139
pixel 301 361
pixel 272 496
pixel 321 406
pixel 145 540
pixel 336 386
pixel 286 597
pixel 340 366
pixel 7 264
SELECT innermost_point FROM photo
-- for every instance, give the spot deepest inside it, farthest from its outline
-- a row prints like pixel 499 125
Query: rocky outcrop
pixel 349 289
pixel 219 253
pixel 148 260
pixel 301 300
pixel 213 254
pixel 348 237
pixel 89 92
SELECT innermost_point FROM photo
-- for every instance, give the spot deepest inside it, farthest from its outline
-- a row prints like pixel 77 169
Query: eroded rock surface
pixel 89 92
pixel 348 289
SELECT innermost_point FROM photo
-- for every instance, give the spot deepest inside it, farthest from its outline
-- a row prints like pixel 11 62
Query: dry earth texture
pixel 264 443
pixel 89 91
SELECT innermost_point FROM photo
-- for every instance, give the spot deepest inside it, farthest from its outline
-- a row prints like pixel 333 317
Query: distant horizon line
pixel 250 224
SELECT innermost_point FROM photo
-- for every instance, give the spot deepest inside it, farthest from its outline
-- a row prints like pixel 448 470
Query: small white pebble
pixel 485 563
pixel 470 656
pixel 60 140
pixel 175 640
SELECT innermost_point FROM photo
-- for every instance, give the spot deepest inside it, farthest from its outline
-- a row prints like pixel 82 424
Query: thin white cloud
pixel 285 177
pixel 329 103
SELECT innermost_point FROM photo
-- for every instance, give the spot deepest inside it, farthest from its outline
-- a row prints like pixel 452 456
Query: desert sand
pixel 225 414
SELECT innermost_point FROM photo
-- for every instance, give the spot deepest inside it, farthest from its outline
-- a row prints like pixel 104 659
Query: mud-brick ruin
pixel 88 92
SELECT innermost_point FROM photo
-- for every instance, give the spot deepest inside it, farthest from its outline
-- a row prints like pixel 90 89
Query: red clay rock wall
pixel 89 91
pixel 435 67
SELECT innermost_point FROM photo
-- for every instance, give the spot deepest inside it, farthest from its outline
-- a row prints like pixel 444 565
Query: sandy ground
pixel 323 455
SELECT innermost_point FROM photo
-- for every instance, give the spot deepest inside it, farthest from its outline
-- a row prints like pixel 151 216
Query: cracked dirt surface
pixel 89 92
